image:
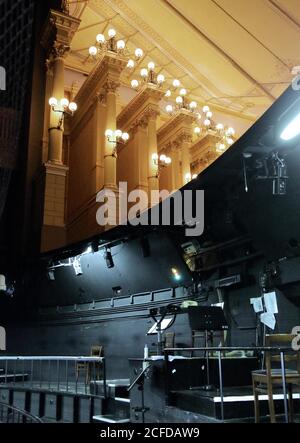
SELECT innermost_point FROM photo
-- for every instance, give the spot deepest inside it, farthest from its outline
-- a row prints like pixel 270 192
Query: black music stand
pixel 207 319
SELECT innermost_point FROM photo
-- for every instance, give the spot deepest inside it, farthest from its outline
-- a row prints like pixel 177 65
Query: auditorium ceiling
pixel 236 56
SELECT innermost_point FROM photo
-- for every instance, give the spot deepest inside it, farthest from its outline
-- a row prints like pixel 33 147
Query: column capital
pixel 58 32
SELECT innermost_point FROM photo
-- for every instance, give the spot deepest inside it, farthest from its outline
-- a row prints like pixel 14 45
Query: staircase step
pixel 110 419
pixel 122 399
pixel 13 377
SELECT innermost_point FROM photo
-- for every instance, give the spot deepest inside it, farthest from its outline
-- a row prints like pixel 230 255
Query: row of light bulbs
pixel 64 104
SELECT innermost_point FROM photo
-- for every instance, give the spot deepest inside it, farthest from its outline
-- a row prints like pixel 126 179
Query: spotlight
pixel 109 260
pixel 77 267
pixel 176 274
pixel 292 129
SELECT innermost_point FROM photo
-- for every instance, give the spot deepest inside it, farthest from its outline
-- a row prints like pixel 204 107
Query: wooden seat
pixel 264 380
pixel 89 368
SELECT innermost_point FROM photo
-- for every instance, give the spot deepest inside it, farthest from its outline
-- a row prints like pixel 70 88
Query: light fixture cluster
pixel 224 134
pixel 64 107
pixel 116 136
pixel 161 161
pixel 180 100
pixel 189 177
pixel 112 44
pixel 148 75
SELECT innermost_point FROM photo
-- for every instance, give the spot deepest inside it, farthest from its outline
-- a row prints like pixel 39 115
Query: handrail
pixel 20 413
pixel 231 348
pixel 51 358
pixel 68 374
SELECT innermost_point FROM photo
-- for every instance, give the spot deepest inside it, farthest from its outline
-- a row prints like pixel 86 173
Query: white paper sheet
pixel 268 319
pixel 271 302
pixel 257 304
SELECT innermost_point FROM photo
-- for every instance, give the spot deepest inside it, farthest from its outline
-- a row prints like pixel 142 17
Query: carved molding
pixel 59 30
pixel 143 107
pixel 180 126
pixel 104 77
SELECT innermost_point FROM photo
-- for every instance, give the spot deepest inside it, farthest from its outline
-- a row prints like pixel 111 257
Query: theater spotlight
pixel 176 274
pixel 109 260
pixel 51 275
pixel 291 130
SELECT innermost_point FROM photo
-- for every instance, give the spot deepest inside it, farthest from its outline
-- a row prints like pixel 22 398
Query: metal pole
pixel 284 387
pixel 104 377
pixel 221 385
pixel 67 375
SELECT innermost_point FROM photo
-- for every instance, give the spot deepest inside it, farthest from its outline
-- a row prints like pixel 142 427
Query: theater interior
pixel 191 318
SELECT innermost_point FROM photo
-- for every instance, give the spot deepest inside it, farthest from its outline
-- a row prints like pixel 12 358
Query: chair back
pixel 281 340
pixel 96 351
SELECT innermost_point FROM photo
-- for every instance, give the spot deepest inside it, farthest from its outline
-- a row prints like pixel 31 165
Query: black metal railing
pixel 53 373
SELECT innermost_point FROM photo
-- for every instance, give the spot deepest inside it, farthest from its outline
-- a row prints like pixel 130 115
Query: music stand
pixel 207 319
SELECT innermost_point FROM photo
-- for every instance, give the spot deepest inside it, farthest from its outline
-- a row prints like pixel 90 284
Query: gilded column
pixel 153 179
pixel 110 159
pixel 185 140
pixel 56 129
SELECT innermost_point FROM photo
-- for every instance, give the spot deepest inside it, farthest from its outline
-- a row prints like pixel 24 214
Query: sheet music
pixel 257 304
pixel 271 302
pixel 268 319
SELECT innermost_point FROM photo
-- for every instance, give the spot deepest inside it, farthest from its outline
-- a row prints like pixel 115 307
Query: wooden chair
pixel 264 380
pixel 198 335
pixel 86 367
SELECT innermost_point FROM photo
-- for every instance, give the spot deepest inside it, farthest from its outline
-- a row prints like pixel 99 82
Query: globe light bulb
pixel 230 141
pixel 118 133
pixel 197 130
pixel 120 45
pixel 109 133
pixel 93 51
pixel 53 101
pixel 73 107
pixel 151 66
pixel 179 100
pixel 161 79
pixel 207 122
pixel 182 92
pixel 111 33
pixel 206 109
pixel 168 161
pixel 134 84
pixel 220 126
pixel 193 105
pixel 100 38
pixel 230 131
pixel 194 176
pixel 144 72
pixel 188 176
pixel 154 157
pixel 209 114
pixel 163 158
pixel 130 64
pixel 176 83
pixel 168 93
pixel 139 53
pixel 125 136
pixel 169 109
pixel 64 102
pixel 198 116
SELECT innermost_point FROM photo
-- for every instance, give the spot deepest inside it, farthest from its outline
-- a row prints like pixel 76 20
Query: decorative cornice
pixel 178 128
pixel 59 28
pixel 144 106
pixel 104 77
